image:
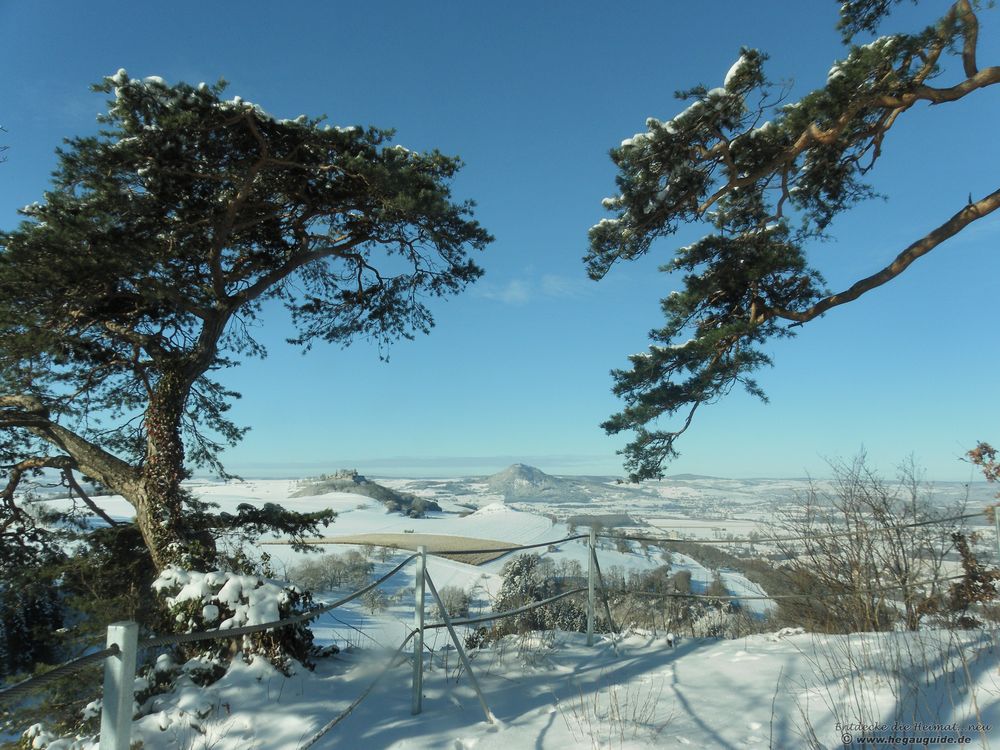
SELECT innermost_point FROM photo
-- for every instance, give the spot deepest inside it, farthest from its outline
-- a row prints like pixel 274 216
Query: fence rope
pixel 357 701
pixel 508 613
pixel 509 549
pixel 55 673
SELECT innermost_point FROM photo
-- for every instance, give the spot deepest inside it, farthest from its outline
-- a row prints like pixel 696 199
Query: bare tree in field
pixel 870 553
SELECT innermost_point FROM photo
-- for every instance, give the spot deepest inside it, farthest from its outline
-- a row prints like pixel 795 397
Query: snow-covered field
pixel 780 691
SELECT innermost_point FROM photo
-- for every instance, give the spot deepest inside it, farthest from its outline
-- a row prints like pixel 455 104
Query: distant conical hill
pixel 524 484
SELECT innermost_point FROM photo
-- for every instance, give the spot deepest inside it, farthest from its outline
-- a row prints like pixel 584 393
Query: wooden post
pixel 591 577
pixel 119 687
pixel 418 624
pixel 458 647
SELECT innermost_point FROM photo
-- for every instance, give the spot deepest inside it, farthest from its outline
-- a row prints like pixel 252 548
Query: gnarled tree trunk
pixel 159 499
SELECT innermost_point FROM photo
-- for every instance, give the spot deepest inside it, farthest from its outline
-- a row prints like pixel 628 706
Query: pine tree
pixel 768 177
pixel 136 277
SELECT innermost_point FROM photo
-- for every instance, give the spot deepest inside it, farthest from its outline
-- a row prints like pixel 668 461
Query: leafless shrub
pixel 869 554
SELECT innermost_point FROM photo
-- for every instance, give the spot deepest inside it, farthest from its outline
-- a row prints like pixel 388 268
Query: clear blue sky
pixel 532 95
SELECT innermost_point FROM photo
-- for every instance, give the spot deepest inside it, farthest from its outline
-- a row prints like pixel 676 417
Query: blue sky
pixel 532 96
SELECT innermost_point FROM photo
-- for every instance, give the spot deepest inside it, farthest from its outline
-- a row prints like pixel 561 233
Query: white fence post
pixel 418 639
pixel 119 687
pixel 591 576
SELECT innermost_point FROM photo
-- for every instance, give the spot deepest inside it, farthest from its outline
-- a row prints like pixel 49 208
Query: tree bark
pixel 159 501
pixel 153 488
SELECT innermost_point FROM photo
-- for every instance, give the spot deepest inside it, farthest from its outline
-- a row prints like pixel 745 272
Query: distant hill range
pixel 591 499
pixel 520 483
pixel 348 480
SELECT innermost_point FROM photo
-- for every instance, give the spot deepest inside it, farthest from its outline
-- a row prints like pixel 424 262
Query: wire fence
pixel 517 548
pixel 75 665
pixel 13 692
pixel 169 640
pixel 508 613
pixel 325 729
pixel 67 668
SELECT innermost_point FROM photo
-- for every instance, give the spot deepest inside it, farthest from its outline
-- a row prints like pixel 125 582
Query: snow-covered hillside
pixel 785 690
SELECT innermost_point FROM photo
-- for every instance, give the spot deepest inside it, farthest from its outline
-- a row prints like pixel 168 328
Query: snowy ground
pixel 785 691
pixel 790 691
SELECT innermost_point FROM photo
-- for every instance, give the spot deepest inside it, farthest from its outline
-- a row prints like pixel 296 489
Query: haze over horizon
pixel 403 467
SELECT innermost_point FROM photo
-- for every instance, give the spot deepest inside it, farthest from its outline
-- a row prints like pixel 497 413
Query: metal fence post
pixel 418 639
pixel 119 687
pixel 604 595
pixel 461 651
pixel 996 523
pixel 591 576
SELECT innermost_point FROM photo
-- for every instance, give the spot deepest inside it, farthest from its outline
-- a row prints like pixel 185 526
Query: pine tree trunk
pixel 159 501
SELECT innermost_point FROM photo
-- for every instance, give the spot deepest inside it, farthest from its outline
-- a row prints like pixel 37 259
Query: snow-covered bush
pixel 527 579
pixel 37 737
pixel 455 600
pixel 722 621
pixel 871 555
pixel 220 600
pixel 654 600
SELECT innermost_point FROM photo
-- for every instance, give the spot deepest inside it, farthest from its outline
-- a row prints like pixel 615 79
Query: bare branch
pixel 15 474
pixel 921 247
pixel 86 456
pixel 294 263
pixel 75 487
